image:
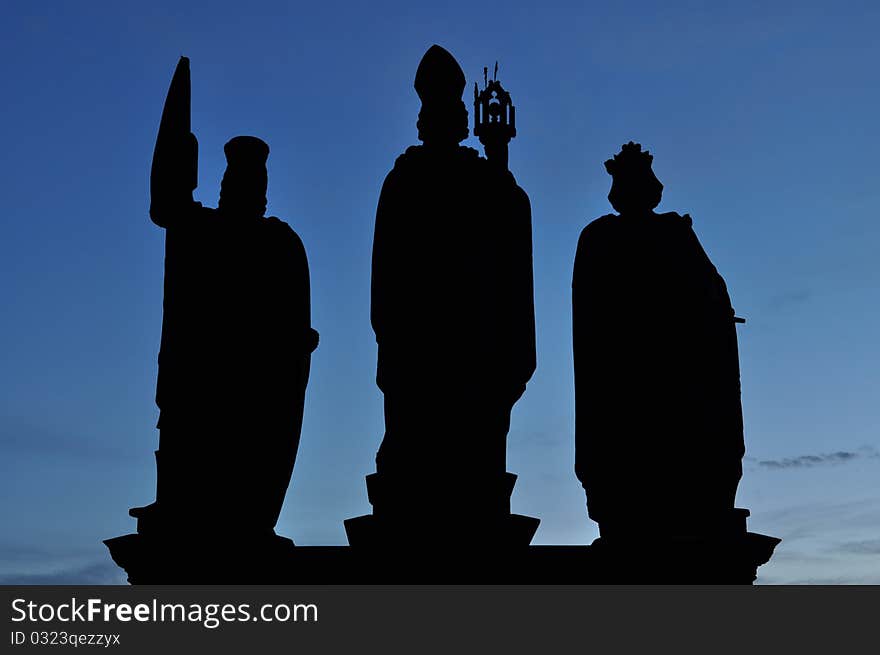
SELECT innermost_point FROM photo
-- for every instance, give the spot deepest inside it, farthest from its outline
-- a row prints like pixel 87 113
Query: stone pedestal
pixel 175 548
pixel 432 513
pixel 432 548
pixel 719 552
pixel 202 558
pixel 210 561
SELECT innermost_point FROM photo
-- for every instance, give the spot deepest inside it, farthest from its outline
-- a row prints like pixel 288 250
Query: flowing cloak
pixel 234 359
pixel 452 297
pixel 658 411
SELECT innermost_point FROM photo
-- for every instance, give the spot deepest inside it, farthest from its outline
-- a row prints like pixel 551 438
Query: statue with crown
pixel 234 360
pixel 658 418
pixel 452 309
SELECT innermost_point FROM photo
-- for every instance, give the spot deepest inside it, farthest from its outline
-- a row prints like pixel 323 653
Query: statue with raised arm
pixel 236 338
pixel 453 312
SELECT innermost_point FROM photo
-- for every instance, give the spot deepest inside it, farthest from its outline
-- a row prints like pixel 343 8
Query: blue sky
pixel 762 120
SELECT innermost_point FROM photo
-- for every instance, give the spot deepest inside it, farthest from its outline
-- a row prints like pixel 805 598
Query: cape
pixel 236 317
pixel 452 293
pixel 658 413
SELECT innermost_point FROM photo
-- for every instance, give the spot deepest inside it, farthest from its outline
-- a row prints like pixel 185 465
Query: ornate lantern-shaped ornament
pixel 494 117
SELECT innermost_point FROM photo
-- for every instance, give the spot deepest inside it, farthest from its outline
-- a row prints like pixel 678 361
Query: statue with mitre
pixel 453 312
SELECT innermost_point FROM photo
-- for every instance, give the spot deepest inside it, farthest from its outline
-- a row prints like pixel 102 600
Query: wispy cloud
pixel 823 542
pixel 805 461
pixel 814 519
pixel 808 460
pixel 863 547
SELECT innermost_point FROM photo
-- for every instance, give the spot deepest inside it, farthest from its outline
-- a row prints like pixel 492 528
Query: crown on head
pixel 630 158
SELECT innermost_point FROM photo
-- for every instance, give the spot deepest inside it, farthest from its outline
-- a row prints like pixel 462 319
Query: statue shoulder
pixel 202 213
pixel 185 216
pixel 406 164
pixel 592 248
pixel 600 227
pixel 417 154
pixel 679 228
pixel 409 157
pixel 596 235
pixel 676 219
pixel 470 158
pixel 282 231
pixel 522 197
pixel 468 153
pixel 278 225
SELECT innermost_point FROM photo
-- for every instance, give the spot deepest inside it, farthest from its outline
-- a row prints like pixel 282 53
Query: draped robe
pixel 659 429
pixel 233 365
pixel 453 313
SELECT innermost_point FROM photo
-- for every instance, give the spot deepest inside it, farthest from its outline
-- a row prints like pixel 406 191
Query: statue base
pixel 210 561
pixel 429 513
pixel 174 548
pixel 201 558
pixel 388 548
pixel 678 551
pixel 370 531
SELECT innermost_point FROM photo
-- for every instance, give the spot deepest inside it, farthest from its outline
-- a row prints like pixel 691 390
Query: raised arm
pixel 174 173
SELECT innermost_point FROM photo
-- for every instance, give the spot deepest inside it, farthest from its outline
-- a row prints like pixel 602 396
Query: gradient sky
pixel 763 121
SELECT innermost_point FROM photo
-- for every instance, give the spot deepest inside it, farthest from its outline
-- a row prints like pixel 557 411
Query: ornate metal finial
pixel 494 113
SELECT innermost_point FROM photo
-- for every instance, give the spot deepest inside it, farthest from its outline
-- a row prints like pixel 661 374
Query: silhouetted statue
pixel 452 309
pixel 236 339
pixel 659 428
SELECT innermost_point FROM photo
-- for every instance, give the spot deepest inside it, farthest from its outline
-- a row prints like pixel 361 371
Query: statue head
pixel 243 189
pixel 635 189
pixel 443 119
